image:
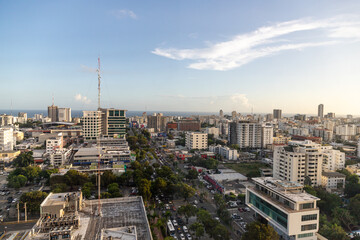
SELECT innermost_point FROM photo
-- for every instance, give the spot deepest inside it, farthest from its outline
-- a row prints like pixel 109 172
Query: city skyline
pixel 251 59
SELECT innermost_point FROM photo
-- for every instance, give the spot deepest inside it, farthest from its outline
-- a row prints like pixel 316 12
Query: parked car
pixel 182 237
pixel 188 236
pixel 175 223
pixel 185 229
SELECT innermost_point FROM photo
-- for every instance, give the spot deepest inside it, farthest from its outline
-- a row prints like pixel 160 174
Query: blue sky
pixel 182 55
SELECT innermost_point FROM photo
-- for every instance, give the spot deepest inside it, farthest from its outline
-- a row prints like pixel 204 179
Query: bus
pixel 170 228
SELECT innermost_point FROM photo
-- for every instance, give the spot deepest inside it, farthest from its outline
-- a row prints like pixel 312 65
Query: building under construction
pixel 66 216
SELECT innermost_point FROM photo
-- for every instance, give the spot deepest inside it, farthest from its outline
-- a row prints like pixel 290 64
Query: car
pixel 167 206
pixel 217 219
pixel 175 223
pixel 174 208
pixel 182 237
pixel 247 209
pixel 196 202
pixel 188 236
pixel 212 191
pixel 240 209
pixel 185 229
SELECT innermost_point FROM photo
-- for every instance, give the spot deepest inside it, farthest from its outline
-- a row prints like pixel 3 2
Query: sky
pixel 186 55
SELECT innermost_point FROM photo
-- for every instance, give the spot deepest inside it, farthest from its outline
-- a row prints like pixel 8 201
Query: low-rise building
pixel 226 152
pixel 333 180
pixel 59 157
pixel 286 206
pixel 54 143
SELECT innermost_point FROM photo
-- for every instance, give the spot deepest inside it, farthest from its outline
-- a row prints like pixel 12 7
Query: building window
pixel 308 227
pixel 306 206
pixel 309 217
pixel 304 235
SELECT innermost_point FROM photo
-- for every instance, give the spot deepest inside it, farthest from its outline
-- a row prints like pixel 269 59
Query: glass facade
pixel 268 209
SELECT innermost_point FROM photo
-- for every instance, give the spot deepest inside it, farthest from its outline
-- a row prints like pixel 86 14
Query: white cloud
pixel 240 99
pixel 123 13
pixel 88 69
pixel 266 41
pixel 83 99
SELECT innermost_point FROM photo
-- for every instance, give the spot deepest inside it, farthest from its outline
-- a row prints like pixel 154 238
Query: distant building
pixel 64 114
pixel 213 130
pixel 91 124
pixel 249 134
pixel 321 110
pixel 189 125
pixel 346 132
pixel 23 116
pixel 330 115
pixel 6 139
pixel 221 113
pixel 333 159
pixel 53 113
pixel 300 117
pixel 281 140
pixel 298 161
pixel 59 157
pixel 158 122
pixel 196 140
pixel 277 113
pixel 291 211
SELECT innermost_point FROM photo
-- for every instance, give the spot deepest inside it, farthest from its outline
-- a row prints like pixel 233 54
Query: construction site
pixel 66 216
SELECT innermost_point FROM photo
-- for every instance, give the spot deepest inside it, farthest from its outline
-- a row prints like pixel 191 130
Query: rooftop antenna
pixel 98 142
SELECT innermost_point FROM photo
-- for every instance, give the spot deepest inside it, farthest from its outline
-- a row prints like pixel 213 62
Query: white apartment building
pixel 54 143
pixel 299 131
pixel 325 134
pixel 213 130
pixel 91 124
pixel 6 139
pixel 59 157
pixel 333 180
pixel 249 134
pixel 286 206
pixel 298 160
pixel 267 134
pixel 333 159
pixel 358 148
pixel 226 152
pixel 64 114
pixel 346 132
pixel 196 140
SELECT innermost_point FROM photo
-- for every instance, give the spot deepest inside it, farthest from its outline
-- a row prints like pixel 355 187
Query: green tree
pixel 351 189
pixel 333 232
pixel 220 232
pixel 33 201
pixel 344 217
pixel 259 231
pixel 17 181
pixel 186 191
pixel 187 210
pixel 105 195
pixel 24 159
pixel 107 178
pixel 192 174
pixel 354 207
pixel 198 228
pixel 145 189
pixel 114 190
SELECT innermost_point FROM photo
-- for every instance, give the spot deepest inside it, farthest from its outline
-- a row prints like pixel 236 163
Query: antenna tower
pixel 98 141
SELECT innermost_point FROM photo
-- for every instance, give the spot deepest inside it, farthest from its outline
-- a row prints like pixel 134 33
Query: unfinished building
pixel 65 216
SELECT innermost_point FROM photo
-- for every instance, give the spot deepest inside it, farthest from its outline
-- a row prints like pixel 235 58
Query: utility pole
pixel 25 212
pixel 18 212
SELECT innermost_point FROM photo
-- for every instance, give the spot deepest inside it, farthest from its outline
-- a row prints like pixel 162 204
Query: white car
pixel 182 237
pixel 185 229
pixel 175 223
pixel 188 236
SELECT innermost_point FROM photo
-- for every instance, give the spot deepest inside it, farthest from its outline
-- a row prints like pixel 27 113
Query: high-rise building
pixel 6 139
pixel 64 114
pixel 249 134
pixel 158 122
pixel 113 122
pixel 285 206
pixel 277 113
pixel 91 124
pixel 53 113
pixel 330 115
pixel 232 133
pixel 189 125
pixel 358 148
pixel 298 161
pixel 321 110
pixel 221 113
pixel 269 117
pixel 196 140
pixel 267 134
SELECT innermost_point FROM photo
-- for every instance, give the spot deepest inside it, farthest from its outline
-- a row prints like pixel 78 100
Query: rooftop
pixel 291 190
pixel 333 174
pixel 120 218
